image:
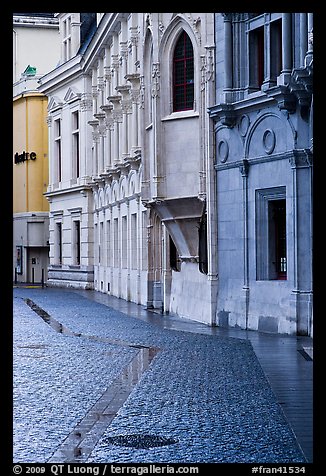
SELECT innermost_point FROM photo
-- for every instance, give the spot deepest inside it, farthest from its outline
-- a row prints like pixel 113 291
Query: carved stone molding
pixel 117 111
pixel 244 124
pixel 284 97
pixel 301 158
pixel 269 141
pixel 223 150
pixel 223 113
pixel 244 168
pixel 155 80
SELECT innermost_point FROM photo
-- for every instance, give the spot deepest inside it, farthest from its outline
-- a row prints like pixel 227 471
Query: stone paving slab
pixel 206 393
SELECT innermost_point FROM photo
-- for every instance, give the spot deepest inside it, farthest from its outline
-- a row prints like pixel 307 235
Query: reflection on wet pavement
pixel 82 440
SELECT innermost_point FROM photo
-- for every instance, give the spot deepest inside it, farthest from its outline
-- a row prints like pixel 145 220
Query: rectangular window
pixel 109 248
pixel 202 246
pixel 277 238
pixel 75 144
pixel 116 242
pixel 96 244
pixel 276 48
pixel 76 242
pixel 133 242
pixel 265 50
pixel 101 244
pixel 124 247
pixel 144 245
pixel 174 256
pixel 58 241
pixel 57 149
pixel 67 39
pixel 271 252
pixel 257 57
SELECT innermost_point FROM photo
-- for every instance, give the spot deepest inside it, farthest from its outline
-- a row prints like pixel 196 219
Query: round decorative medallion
pixel 244 125
pixel 269 141
pixel 223 150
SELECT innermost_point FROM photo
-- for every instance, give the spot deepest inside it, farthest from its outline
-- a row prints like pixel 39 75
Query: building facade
pixel 35 51
pixel 130 157
pixel 181 164
pixel 264 149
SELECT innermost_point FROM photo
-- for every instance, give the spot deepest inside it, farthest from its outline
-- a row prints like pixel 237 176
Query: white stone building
pixel 131 159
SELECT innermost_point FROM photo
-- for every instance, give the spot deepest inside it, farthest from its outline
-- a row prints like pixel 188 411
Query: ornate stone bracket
pixel 114 172
pixel 224 113
pixel 117 111
pixel 301 158
pixel 134 92
pixel 284 97
pixel 244 168
pixel 301 85
pixel 125 100
pixel 101 123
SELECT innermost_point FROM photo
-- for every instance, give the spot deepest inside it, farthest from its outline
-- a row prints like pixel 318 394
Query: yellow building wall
pixel 30 134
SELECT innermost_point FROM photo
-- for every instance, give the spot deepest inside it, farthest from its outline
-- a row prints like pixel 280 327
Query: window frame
pixel 265 236
pixel 271 26
pixel 77 242
pixel 186 84
pixel 66 40
pixel 75 144
pixel 58 243
pixel 58 149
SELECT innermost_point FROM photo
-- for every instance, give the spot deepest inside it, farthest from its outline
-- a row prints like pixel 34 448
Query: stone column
pixel 102 133
pixel 95 136
pixel 302 278
pixel 303 38
pixel 227 55
pixel 309 55
pixel 244 169
pixel 126 109
pixel 117 119
pixel 85 132
pixel 94 90
pixel 134 42
pixel 134 79
pixel 286 46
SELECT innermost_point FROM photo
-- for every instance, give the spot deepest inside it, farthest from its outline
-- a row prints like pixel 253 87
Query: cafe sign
pixel 18 158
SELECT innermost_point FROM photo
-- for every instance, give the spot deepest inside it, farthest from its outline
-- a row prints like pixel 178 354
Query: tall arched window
pixel 183 74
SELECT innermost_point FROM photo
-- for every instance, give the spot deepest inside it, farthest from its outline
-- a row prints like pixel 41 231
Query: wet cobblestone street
pixel 108 387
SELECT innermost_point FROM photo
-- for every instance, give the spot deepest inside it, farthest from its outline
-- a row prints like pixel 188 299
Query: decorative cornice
pixel 298 158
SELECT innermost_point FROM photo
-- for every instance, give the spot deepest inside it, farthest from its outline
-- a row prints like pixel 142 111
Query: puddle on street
pixel 79 444
pixel 56 325
pixel 81 441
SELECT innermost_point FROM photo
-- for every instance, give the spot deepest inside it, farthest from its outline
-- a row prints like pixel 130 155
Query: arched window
pixel 183 74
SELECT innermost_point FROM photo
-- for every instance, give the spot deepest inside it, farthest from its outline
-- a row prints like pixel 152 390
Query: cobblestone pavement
pixel 92 384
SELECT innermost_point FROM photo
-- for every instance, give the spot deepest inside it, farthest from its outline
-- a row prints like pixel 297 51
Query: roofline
pixel 64 72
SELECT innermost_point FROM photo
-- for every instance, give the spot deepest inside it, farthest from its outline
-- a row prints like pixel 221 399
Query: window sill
pixel 180 115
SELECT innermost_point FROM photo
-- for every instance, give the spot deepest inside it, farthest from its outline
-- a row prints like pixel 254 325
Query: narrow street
pixel 98 379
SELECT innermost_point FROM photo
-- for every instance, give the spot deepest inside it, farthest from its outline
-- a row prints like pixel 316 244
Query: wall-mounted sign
pixel 24 156
pixel 19 259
